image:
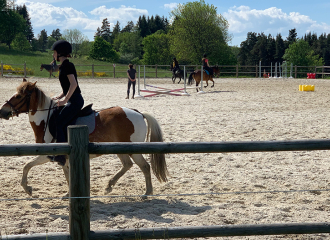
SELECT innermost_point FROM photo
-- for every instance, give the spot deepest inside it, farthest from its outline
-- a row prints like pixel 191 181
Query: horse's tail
pixel 157 160
pixel 190 80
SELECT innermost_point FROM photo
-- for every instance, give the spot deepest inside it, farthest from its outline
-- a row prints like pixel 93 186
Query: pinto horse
pixel 50 68
pixel 117 124
pixel 206 77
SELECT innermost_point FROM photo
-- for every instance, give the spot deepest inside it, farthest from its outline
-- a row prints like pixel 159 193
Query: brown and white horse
pixel 117 124
pixel 206 77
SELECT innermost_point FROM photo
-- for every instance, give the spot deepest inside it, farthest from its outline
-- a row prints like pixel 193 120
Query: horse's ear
pixel 24 80
pixel 34 84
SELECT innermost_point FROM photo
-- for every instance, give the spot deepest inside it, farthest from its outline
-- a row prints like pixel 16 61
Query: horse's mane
pixel 40 95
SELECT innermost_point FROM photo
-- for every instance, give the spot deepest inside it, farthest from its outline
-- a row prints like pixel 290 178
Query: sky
pixel 269 17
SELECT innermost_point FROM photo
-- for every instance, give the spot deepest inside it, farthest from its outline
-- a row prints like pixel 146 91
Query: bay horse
pixel 196 75
pixel 50 68
pixel 116 124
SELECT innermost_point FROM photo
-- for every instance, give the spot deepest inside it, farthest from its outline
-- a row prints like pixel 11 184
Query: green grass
pixel 33 60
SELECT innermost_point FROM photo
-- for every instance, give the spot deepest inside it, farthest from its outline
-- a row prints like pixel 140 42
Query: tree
pixel 76 38
pixel 10 25
pixel 292 36
pixel 104 32
pixel 21 43
pixel 198 29
pixel 143 27
pixel 115 31
pixel 43 40
pixel 28 30
pixel 129 27
pixel 56 34
pixel 156 49
pixel 300 53
pixel 103 51
pixel 280 48
pixel 131 43
pixel 245 56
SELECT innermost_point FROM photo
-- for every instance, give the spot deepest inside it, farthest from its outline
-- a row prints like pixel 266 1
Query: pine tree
pixel 280 48
pixel 56 34
pixel 104 32
pixel 28 32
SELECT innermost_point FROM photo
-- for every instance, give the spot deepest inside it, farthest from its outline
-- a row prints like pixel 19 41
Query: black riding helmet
pixel 62 47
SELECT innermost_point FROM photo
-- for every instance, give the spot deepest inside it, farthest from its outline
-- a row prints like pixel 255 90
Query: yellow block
pixel 306 88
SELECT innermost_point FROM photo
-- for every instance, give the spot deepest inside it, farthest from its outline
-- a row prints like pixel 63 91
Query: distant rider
pixel 206 66
pixel 175 66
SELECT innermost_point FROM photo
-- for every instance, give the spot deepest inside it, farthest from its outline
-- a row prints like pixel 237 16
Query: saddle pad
pixel 89 121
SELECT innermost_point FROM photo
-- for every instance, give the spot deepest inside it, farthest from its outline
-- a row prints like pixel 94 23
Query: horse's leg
pixel 127 164
pixel 145 168
pixel 180 80
pixel 37 161
pixel 212 81
pixel 196 85
pixel 67 176
pixel 173 78
pixel 206 78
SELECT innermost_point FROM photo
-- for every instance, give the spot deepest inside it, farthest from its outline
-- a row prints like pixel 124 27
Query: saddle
pixel 86 116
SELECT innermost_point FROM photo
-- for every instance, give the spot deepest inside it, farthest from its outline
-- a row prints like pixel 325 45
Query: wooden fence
pixel 79 148
pixel 161 71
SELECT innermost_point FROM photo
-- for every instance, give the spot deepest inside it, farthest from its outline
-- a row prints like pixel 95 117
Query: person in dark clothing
pixel 206 66
pixel 175 66
pixel 131 73
pixel 70 97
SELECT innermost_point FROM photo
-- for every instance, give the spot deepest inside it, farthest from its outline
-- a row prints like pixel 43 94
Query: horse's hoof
pixel 66 196
pixel 28 190
pixel 212 86
pixel 108 190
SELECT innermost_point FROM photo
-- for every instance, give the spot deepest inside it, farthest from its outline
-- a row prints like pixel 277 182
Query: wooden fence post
pixel 156 70
pixel 79 216
pixel 295 71
pixel 114 71
pixel 1 69
pixel 237 71
pixel 93 70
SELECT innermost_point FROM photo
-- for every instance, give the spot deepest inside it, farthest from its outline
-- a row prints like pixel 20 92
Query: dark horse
pixel 178 74
pixel 50 68
pixel 197 76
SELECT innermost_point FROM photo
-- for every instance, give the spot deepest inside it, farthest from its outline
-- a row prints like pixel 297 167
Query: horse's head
pixel 41 67
pixel 216 70
pixel 20 102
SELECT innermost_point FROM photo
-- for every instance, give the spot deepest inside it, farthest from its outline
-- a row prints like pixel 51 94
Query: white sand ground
pixel 234 110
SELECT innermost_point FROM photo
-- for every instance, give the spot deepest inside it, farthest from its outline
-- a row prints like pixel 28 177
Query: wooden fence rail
pixel 164 70
pixel 78 149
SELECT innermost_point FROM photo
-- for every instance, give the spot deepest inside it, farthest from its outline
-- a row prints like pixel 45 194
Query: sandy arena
pixel 234 110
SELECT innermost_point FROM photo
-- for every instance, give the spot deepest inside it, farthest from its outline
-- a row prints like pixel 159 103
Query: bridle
pixel 26 100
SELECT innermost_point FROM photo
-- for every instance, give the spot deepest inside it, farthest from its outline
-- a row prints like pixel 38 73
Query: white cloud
pixel 48 17
pixel 122 14
pixel 170 6
pixel 270 21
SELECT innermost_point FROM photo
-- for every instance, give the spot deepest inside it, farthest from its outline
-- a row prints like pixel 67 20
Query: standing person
pixel 206 66
pixel 131 73
pixel 175 65
pixel 70 97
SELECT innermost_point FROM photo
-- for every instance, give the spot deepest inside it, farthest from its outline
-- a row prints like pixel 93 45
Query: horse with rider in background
pixel 197 76
pixel 51 68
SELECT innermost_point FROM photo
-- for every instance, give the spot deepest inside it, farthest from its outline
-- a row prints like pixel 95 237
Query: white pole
pixel 291 69
pixel 144 76
pixel 275 70
pixel 139 95
pixel 271 69
pixel 279 67
pixel 201 91
pixel 185 84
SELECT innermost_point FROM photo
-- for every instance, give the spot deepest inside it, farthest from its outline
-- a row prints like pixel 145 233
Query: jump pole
pixel 201 91
pixel 139 95
pixel 185 84
pixel 144 76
